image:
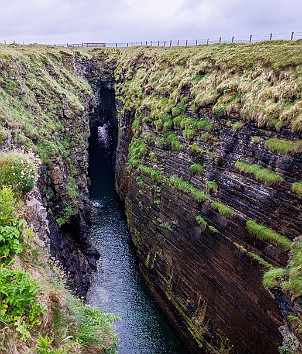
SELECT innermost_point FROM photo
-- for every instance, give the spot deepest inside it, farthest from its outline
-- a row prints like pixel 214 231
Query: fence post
pixel 127 44
pixel 251 36
pixel 219 40
pixel 292 36
pixel 207 41
pixel 164 43
pixel 186 42
pixel 146 42
pixel 115 45
pixel 233 39
pixel 196 41
pixel 270 36
pixel 177 42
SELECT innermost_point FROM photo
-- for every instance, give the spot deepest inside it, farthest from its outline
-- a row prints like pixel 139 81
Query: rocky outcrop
pixel 190 202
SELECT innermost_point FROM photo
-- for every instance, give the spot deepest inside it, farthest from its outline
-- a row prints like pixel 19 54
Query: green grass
pixel 283 147
pixel 236 126
pixel 165 225
pixel 196 169
pixel 212 186
pixel 179 183
pixel 262 174
pixel 213 229
pixel 222 209
pixel 254 256
pixel 267 234
pixel 297 188
pixel 201 220
pixel 272 277
pixel 256 139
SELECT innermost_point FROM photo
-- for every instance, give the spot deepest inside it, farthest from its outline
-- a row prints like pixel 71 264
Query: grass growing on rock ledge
pixel 297 188
pixel 267 234
pixel 222 209
pixel 262 174
pixel 284 147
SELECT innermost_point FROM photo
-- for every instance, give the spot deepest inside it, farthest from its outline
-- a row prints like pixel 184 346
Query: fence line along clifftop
pixel 252 38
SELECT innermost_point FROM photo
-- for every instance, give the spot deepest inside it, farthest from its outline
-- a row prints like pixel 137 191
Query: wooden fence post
pixel 186 42
pixel 177 42
pixel 196 42
pixel 270 36
pixel 158 43
pixel 219 40
pixel 207 41
pixel 170 43
pixel 292 36
pixel 164 43
pixel 251 36
pixel 233 39
pixel 146 42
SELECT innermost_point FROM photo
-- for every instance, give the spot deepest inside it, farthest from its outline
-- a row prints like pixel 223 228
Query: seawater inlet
pixel 118 286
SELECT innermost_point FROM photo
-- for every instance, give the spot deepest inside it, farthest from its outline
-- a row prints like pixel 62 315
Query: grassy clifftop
pixel 259 82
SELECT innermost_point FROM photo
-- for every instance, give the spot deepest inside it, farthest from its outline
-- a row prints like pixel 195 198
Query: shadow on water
pixel 118 286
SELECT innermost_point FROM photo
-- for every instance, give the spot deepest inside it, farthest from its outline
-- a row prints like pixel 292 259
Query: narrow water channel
pixel 118 286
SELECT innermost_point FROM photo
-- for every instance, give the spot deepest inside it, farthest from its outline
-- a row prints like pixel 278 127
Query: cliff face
pixel 211 189
pixel 45 108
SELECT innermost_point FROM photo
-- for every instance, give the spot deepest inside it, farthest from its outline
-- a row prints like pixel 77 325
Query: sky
pixel 76 21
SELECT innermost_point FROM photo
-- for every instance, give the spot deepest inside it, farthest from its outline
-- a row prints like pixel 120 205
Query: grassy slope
pixel 41 106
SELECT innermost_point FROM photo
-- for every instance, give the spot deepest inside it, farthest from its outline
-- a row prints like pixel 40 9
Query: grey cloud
pixel 126 20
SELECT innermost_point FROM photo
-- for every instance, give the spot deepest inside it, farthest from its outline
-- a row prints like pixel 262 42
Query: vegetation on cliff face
pixel 188 107
pixel 44 128
pixel 195 108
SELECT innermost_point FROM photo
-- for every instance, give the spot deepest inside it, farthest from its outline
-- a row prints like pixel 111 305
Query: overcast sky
pixel 76 21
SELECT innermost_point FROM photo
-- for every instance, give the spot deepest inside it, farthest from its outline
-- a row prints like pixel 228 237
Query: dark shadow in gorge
pixel 118 286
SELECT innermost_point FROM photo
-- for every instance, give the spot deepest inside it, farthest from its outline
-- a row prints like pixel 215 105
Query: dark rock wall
pixel 194 270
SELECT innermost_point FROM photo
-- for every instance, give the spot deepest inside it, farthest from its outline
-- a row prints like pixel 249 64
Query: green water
pixel 118 286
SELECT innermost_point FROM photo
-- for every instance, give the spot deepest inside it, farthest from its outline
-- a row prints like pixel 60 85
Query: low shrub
pixel 92 327
pixel 18 306
pixel 18 171
pixel 11 228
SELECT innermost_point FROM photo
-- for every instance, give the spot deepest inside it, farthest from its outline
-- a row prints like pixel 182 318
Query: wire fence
pixel 253 38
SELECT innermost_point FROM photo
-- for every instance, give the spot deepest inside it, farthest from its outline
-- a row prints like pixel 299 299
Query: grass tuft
pixel 283 147
pixel 262 174
pixel 222 209
pixel 196 169
pixel 267 234
pixel 297 188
